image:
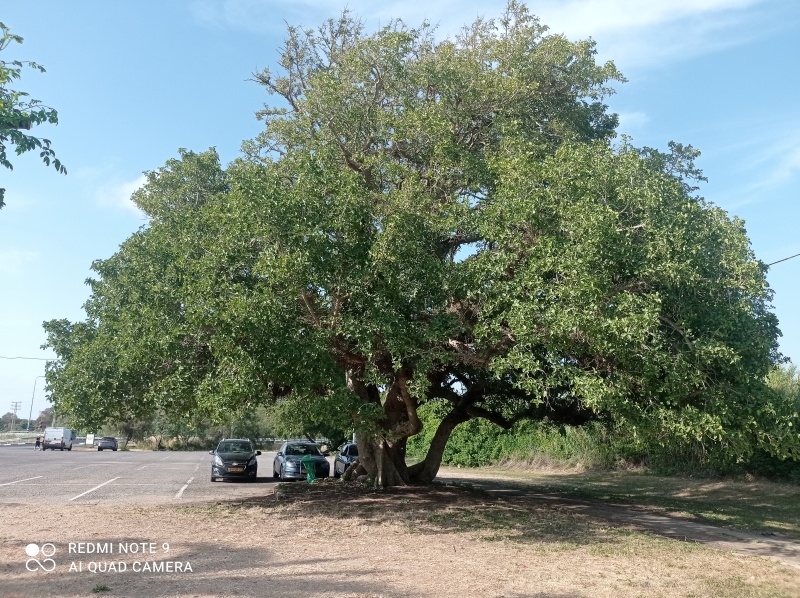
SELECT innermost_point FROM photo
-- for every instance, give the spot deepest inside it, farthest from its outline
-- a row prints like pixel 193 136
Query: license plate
pixel 235 469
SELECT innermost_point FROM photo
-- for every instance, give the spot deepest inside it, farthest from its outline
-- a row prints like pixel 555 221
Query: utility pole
pixel 15 405
pixel 30 414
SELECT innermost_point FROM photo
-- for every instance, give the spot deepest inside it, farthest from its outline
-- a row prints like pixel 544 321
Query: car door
pixel 277 462
pixel 342 462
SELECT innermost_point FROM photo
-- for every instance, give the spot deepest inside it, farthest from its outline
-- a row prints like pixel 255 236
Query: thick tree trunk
pixel 425 471
pixel 382 461
pixel 383 456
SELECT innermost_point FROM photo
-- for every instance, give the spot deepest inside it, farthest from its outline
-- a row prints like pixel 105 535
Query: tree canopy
pixel 19 112
pixel 426 221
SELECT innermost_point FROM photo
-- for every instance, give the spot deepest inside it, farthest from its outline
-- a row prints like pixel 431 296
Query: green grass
pixel 759 506
pixel 521 524
pixel 100 588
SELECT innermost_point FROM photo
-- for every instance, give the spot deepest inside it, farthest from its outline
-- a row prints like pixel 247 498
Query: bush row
pixel 546 444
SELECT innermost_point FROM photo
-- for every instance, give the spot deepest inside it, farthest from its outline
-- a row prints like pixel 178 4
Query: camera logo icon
pixel 46 550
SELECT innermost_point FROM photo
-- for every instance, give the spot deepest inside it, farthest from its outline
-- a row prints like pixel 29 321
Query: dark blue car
pixel 346 456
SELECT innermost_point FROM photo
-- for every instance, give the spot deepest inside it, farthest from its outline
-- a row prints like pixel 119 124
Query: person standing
pixel 38 446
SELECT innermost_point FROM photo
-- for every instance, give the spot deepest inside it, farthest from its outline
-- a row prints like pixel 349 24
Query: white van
pixel 58 438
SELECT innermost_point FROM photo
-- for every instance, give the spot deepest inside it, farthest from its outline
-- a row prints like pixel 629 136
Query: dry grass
pixel 331 540
pixel 749 504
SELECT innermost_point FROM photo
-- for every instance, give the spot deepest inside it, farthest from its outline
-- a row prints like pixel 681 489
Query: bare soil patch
pixel 329 540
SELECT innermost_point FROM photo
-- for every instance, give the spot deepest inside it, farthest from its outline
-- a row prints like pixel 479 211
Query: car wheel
pixel 213 479
pixel 336 473
pixel 255 476
pixel 99 449
pixel 70 448
pixel 114 450
pixel 280 475
pixel 274 473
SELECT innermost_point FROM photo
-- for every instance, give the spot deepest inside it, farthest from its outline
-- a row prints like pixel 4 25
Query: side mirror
pixel 280 454
pixel 211 452
pixel 258 453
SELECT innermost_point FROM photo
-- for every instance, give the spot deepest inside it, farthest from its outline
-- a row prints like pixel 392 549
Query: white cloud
pixel 585 18
pixel 634 33
pixel 638 34
pixel 256 16
pixel 15 260
pixel 787 166
pixel 629 122
pixel 118 195
pixel 766 157
pixel 775 158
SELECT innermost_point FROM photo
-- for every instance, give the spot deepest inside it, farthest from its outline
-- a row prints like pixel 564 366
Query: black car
pixel 346 456
pixel 287 465
pixel 107 442
pixel 235 458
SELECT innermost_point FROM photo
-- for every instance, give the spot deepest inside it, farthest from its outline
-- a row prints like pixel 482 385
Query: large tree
pixel 424 221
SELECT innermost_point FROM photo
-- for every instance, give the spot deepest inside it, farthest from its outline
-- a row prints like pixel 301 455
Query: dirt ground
pixel 334 541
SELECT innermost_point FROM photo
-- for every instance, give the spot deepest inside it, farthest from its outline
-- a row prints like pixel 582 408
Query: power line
pixel 32 358
pixel 784 259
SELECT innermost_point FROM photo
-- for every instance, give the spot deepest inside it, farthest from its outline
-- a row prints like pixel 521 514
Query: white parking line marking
pixel 196 467
pixel 99 463
pixel 18 481
pixel 141 468
pixel 185 486
pixel 67 486
pixel 95 488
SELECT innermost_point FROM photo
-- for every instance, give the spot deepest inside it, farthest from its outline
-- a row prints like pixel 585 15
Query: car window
pixel 302 449
pixel 353 450
pixel 234 447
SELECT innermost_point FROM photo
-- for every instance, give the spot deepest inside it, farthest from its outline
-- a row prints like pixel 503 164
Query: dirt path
pixel 784 550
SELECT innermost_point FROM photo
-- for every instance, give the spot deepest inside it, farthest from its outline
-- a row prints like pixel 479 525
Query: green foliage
pixel 45 417
pixel 543 444
pixel 478 442
pixel 137 353
pixel 299 415
pixel 785 380
pixel 20 113
pixel 250 422
pixel 132 429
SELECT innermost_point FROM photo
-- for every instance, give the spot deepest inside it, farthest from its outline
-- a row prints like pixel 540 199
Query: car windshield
pixel 109 439
pixel 353 451
pixel 234 447
pixel 302 449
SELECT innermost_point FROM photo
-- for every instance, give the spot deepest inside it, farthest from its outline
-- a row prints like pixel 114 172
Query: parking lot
pixel 87 476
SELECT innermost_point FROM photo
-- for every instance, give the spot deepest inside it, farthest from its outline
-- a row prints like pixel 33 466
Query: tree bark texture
pixel 425 471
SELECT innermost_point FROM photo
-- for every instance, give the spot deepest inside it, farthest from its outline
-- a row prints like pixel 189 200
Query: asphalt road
pixel 87 476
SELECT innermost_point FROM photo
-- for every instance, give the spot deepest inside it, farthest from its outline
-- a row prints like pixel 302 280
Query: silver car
pixel 287 463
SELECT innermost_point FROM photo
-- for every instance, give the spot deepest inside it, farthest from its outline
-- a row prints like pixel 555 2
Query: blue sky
pixel 135 81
